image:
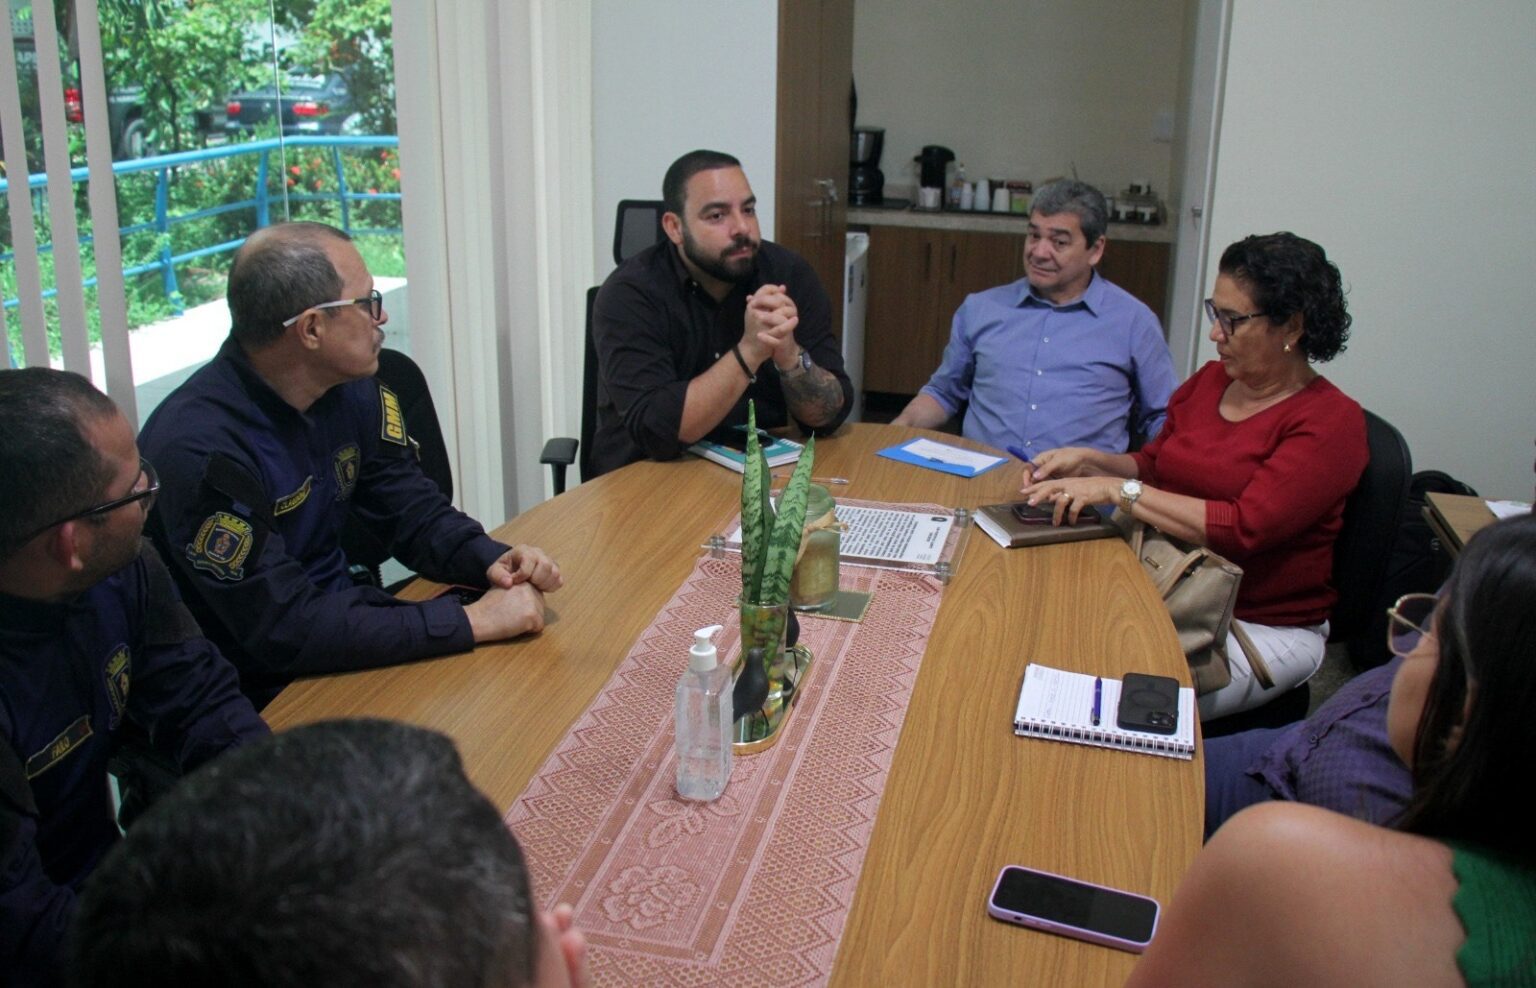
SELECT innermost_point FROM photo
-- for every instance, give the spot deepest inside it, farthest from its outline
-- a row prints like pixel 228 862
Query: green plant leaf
pixel 784 542
pixel 754 516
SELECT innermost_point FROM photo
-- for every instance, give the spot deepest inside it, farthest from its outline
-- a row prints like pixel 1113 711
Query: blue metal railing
pixel 261 201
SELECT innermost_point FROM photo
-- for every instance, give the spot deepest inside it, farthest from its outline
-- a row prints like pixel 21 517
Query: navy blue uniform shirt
pixel 69 673
pixel 253 497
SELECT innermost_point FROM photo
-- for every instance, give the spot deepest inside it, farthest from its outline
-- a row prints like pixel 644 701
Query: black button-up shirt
pixel 655 329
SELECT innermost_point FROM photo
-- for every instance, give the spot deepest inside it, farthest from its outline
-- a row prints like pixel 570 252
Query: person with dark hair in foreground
pixel 270 448
pixel 1292 894
pixel 1255 461
pixel 688 330
pixel 343 852
pixel 94 645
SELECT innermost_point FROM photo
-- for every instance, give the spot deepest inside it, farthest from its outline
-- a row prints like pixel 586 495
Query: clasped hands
pixel 769 328
pixel 1064 478
pixel 514 604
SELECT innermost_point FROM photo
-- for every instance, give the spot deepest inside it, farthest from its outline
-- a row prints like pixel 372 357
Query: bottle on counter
pixel 983 197
pixel 703 722
pixel 952 196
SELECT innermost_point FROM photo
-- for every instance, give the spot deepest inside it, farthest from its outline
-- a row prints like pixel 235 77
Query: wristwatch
pixel 801 365
pixel 1130 491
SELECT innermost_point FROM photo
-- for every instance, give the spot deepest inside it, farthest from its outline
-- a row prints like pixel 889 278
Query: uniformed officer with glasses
pixel 96 648
pixel 268 449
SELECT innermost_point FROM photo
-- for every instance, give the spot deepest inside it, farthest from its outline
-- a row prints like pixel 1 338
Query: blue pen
pixel 1098 699
pixel 1020 454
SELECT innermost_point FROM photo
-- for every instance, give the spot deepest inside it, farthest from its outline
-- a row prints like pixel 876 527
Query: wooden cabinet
pixel 815 71
pixel 918 277
pixel 1141 268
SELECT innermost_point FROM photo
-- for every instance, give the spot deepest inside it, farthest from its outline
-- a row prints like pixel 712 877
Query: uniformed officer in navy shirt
pixel 266 450
pixel 94 641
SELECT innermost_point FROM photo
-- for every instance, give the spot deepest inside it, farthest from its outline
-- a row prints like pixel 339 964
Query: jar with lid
pixel 814 584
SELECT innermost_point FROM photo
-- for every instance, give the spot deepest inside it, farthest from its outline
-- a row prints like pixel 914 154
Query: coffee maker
pixel 866 182
pixel 932 162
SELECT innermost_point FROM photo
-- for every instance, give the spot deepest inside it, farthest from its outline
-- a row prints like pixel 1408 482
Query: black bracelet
pixel 751 377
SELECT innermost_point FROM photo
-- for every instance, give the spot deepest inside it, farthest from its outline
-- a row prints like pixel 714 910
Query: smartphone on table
pixel 1066 906
pixel 1148 703
pixel 464 595
pixel 1045 514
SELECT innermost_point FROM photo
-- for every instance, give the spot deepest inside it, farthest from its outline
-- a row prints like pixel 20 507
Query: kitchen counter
pixel 989 223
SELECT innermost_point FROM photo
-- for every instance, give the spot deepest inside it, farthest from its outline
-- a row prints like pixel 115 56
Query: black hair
pixel 50 467
pixel 674 187
pixel 1078 198
pixel 1287 274
pixel 1486 632
pixel 277 274
pixel 344 852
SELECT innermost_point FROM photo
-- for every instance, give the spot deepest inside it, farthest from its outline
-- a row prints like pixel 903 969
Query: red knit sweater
pixel 1274 486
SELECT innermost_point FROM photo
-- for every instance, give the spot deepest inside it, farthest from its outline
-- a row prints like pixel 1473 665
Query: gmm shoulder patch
pixel 221 546
pixel 68 740
pixel 392 428
pixel 347 461
pixel 289 502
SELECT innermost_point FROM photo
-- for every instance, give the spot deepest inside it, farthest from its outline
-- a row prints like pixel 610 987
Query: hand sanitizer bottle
pixel 703 729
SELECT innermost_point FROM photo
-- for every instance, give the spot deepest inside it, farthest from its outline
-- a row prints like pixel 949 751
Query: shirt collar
pixel 260 391
pixel 1092 298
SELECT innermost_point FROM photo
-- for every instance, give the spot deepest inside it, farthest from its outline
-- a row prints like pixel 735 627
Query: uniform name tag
pixel 71 738
pixel 288 502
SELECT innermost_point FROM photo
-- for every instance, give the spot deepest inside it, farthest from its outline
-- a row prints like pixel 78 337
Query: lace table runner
pixel 754 887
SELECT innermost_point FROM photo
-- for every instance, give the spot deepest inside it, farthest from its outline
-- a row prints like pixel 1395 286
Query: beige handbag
pixel 1199 588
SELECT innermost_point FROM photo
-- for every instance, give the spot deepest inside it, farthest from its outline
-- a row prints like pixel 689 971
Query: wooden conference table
pixel 964 796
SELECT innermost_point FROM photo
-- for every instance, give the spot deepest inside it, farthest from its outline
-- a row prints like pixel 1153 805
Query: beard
pixel 109 556
pixel 731 270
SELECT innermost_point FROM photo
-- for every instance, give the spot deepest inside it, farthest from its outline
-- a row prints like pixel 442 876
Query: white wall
pixel 1401 137
pixel 669 76
pixel 1022 91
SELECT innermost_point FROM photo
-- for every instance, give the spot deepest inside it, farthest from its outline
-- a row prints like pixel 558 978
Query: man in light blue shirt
pixel 1060 358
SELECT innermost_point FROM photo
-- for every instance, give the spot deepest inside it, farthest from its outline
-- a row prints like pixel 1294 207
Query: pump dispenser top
pixel 702 656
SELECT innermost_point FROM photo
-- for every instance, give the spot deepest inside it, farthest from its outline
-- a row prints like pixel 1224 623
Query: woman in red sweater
pixel 1255 460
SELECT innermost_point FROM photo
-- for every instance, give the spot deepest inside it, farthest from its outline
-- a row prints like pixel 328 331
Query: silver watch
pixel 801 365
pixel 1130 491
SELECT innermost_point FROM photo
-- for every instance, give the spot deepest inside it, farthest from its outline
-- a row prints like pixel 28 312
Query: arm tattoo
pixel 814 397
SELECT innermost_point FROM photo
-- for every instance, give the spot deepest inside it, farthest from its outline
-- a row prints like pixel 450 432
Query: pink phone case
pixel 1066 929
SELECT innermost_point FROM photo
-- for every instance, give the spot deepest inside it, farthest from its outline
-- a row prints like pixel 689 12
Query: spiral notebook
pixel 1058 705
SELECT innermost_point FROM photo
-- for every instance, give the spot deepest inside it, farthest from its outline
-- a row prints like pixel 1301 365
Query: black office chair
pixel 364 549
pixel 637 226
pixel 1372 514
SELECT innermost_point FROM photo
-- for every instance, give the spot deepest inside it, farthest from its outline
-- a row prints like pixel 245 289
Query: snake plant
pixel 770 541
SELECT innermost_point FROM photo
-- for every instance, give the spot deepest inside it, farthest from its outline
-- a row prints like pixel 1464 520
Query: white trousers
pixel 1292 654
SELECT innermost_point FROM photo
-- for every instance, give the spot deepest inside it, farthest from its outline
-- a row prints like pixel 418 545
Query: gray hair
pixel 278 273
pixel 1078 198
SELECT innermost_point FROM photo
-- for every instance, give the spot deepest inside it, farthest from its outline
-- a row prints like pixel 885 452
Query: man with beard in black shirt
pixel 690 329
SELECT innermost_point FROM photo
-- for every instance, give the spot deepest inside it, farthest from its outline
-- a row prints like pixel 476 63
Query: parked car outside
pixel 310 104
pixel 126 127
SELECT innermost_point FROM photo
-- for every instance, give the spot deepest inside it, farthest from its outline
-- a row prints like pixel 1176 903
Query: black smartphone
pixel 464 595
pixel 1057 904
pixel 1033 514
pixel 1044 514
pixel 1148 703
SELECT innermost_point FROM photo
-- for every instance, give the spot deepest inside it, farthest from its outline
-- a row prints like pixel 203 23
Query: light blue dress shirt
pixel 1039 376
